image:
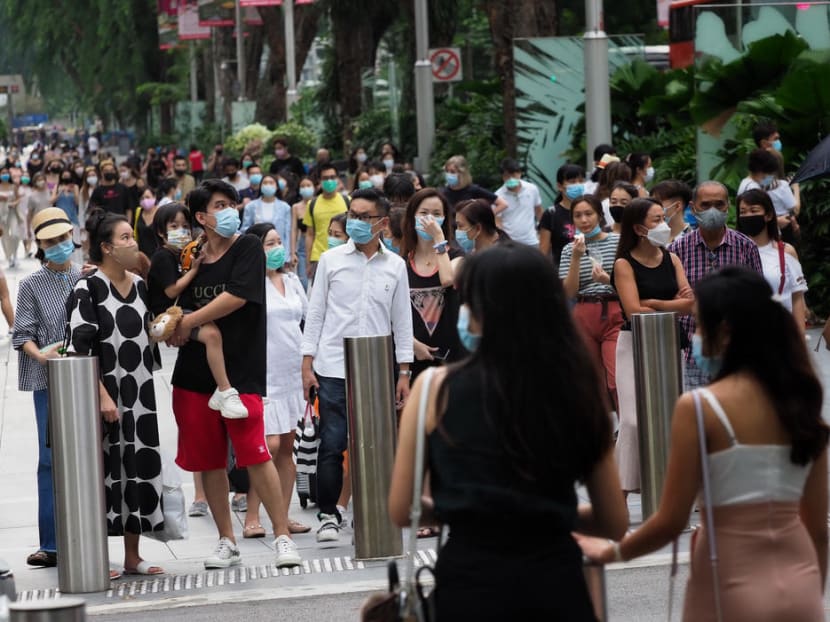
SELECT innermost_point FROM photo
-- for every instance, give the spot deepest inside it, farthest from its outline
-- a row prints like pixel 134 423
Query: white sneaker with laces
pixel 225 555
pixel 228 403
pixel 329 530
pixel 287 554
pixel 346 520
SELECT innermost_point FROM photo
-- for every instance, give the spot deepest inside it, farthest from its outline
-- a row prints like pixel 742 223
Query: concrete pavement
pixel 326 572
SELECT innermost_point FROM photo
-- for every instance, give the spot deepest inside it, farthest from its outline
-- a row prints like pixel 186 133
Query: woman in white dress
pixel 286 305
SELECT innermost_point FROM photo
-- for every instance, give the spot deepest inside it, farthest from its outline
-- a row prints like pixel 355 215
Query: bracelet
pixel 405 372
pixel 617 552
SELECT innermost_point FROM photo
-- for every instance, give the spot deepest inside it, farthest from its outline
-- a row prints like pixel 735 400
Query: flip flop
pixel 253 531
pixel 144 568
pixel 115 572
pixel 295 527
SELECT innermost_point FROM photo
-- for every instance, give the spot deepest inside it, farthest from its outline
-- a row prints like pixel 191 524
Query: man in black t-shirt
pixel 285 160
pixel 229 290
pixel 110 195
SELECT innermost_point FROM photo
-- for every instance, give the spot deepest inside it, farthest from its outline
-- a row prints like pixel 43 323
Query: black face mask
pixel 617 212
pixel 66 180
pixel 752 225
pixel 110 176
pixel 179 172
pixel 56 169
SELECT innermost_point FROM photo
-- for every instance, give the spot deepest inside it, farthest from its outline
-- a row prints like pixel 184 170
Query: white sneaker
pixel 329 530
pixel 225 555
pixel 228 403
pixel 287 554
pixel 346 520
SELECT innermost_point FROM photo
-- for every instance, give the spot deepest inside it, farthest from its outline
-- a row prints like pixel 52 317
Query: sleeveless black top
pixel 659 283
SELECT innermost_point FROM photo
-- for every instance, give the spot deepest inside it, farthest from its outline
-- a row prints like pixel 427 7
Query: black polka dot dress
pixel 115 328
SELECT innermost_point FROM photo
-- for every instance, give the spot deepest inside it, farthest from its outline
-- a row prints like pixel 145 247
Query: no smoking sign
pixel 446 64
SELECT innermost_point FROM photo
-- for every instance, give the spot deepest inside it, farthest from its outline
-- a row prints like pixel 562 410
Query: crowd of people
pixel 513 302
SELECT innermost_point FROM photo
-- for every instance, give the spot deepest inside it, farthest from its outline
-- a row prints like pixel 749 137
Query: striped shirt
pixel 40 317
pixel 699 260
pixel 603 251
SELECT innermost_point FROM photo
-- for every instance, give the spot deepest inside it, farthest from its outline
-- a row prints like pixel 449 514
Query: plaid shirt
pixel 699 260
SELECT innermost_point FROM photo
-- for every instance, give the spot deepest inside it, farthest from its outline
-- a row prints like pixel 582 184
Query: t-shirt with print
pixel 557 220
pixel 114 199
pixel 241 272
pixel 324 210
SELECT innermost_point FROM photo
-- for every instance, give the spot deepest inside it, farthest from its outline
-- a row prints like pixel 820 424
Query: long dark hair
pixel 101 227
pixel 634 214
pixel 760 197
pixel 522 369
pixel 765 342
pixel 480 212
pixel 409 239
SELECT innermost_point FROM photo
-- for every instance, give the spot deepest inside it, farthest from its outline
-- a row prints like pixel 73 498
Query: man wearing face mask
pixel 283 159
pixel 254 172
pixel 229 290
pixel 361 289
pixel 328 204
pixel 231 168
pixel 522 204
pixel 111 195
pixel 710 247
pixel 184 182
pixel 674 196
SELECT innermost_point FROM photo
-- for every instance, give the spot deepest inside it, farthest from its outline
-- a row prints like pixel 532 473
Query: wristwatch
pixel 405 372
pixel 441 247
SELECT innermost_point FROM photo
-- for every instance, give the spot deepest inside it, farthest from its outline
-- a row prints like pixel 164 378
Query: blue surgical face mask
pixel 5 177
pixel 307 192
pixel 468 340
pixel 464 241
pixel 281 183
pixel 255 179
pixel 766 182
pixel 574 191
pixel 451 179
pixel 709 365
pixel 512 183
pixel 388 244
pixel 419 227
pixel 689 216
pixel 227 222
pixel 776 144
pixel 275 257
pixel 268 190
pixel 335 242
pixel 359 231
pixel 593 232
pixel 60 253
pixel 365 184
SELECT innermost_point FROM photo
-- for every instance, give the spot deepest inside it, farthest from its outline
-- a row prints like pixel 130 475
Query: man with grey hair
pixel 710 247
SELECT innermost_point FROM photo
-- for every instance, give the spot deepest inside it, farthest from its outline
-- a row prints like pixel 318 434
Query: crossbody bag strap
pixel 783 267
pixel 418 475
pixel 707 502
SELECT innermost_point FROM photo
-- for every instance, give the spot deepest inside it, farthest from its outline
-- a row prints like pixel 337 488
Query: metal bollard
pixel 595 581
pixel 370 399
pixel 51 610
pixel 75 430
pixel 659 382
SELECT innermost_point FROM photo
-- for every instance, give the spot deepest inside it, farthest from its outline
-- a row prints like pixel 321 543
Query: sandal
pixel 144 568
pixel 295 527
pixel 115 572
pixel 43 559
pixel 253 531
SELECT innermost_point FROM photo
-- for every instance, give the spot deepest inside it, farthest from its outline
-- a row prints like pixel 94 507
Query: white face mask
pixel 660 235
pixel 649 174
pixel 377 181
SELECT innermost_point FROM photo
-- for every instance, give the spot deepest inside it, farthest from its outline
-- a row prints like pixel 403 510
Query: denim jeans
pixel 333 439
pixel 45 491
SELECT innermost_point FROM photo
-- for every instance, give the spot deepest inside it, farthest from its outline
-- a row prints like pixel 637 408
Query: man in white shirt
pixel 360 290
pixel 523 204
pixel 763 168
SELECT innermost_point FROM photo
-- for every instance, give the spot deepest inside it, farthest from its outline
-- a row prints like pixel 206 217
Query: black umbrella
pixel 816 164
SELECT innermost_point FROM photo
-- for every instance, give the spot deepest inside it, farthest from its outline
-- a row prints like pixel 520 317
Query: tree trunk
pixel 511 19
pixel 206 54
pixel 253 56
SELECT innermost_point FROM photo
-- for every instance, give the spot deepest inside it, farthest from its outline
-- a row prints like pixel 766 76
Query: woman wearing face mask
pixel 90 182
pixel 269 208
pixel 306 192
pixel 286 306
pixel 39 199
pixel 144 233
pixel 425 245
pixel 765 445
pixel 491 424
pixel 585 268
pixel 388 156
pixel 53 169
pixel 362 180
pixel 621 197
pixel 337 231
pixel 556 226
pixel 782 270
pixel 78 170
pixel 12 224
pixel 108 315
pixel 460 187
pixel 647 278
pixel 39 331
pixel 357 160
pixel 475 226
pixel 131 179
pixel 642 171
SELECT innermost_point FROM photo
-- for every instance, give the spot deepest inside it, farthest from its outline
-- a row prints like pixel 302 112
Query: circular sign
pixel 445 64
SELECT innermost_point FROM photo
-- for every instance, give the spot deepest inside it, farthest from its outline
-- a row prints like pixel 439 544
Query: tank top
pixel 659 283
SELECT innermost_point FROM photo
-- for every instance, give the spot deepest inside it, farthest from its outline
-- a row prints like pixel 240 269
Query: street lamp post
pixel 597 90
pixel 424 102
pixel 290 62
pixel 240 50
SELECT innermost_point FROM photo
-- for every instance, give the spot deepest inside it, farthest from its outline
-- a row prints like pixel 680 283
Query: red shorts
pixel 204 432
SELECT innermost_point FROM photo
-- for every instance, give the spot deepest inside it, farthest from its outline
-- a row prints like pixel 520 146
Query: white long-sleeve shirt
pixel 354 296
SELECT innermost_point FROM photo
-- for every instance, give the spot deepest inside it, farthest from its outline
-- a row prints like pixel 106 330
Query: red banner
pixel 260 2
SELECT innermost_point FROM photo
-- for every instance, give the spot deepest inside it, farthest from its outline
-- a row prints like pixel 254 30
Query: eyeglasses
pixel 363 217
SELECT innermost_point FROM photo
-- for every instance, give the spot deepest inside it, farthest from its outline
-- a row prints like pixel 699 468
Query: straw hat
pixel 50 223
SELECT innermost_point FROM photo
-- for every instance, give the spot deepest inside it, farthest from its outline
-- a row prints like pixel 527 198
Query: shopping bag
pixel 172 504
pixel 307 441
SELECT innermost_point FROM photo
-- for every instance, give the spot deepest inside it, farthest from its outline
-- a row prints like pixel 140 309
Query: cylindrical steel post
pixel 424 100
pixel 290 57
pixel 595 580
pixel 659 382
pixel 49 610
pixel 78 471
pixel 597 89
pixel 370 399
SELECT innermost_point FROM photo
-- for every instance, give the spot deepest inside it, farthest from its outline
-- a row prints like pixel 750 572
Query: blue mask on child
pixel 709 365
pixel 468 340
